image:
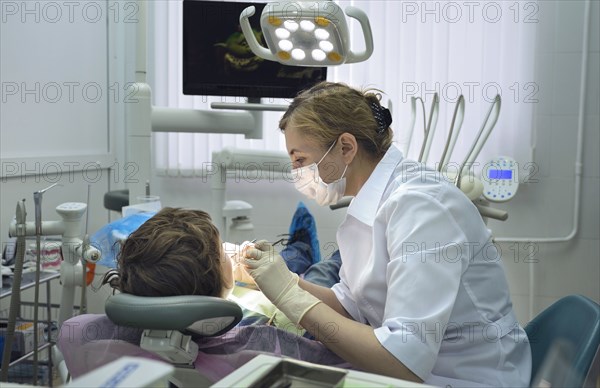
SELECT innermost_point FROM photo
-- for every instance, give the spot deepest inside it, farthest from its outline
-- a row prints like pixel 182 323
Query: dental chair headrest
pixel 198 316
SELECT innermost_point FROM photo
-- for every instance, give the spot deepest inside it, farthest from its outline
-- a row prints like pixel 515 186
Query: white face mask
pixel 308 181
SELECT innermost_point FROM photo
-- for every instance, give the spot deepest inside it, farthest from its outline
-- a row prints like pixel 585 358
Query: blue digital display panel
pixel 500 174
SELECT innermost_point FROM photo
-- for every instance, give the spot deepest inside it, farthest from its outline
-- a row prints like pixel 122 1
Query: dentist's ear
pixel 349 147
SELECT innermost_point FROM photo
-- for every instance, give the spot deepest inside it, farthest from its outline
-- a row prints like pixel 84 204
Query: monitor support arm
pixel 143 119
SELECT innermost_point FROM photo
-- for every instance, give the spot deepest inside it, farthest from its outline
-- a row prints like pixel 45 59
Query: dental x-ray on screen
pixel 217 60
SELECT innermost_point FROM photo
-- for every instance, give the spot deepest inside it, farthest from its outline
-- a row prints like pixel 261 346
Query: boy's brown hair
pixel 176 252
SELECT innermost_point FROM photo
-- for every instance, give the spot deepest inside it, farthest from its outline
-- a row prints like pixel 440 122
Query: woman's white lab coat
pixel 418 265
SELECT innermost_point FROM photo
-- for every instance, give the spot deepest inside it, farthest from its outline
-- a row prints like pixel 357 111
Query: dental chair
pixel 170 324
pixel 196 334
pixel 162 328
pixel 564 340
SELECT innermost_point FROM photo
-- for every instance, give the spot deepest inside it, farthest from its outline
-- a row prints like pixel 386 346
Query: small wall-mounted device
pixel 238 225
pixel 500 177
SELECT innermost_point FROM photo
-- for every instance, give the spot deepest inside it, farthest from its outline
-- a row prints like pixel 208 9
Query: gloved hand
pixel 276 281
pixel 236 254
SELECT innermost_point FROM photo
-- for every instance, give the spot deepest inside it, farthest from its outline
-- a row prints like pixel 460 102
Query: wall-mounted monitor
pixel 218 62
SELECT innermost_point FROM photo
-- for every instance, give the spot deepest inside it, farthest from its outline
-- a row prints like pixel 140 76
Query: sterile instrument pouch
pixel 109 238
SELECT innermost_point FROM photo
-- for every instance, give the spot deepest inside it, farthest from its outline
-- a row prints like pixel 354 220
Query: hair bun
pixel 382 116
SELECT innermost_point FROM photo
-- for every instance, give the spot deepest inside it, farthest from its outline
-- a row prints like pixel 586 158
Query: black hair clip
pixel 382 115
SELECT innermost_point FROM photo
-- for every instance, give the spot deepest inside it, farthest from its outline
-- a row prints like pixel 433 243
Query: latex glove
pixel 275 280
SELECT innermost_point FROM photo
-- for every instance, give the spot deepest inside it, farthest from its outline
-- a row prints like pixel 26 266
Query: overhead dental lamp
pixel 307 33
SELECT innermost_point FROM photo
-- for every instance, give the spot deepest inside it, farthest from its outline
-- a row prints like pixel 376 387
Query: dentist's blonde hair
pixel 329 109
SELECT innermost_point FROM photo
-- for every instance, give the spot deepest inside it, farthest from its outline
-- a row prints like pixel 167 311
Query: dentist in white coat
pixel 422 294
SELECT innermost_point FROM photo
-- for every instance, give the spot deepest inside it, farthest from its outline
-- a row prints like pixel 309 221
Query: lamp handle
pixel 256 48
pixel 362 18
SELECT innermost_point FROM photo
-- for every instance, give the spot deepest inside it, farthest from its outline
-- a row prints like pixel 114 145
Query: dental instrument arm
pixel 37 200
pixel 455 126
pixel 485 131
pixel 430 131
pixel 413 117
pixel 344 202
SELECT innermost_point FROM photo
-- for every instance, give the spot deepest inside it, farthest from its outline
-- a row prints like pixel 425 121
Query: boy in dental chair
pixel 179 252
pixel 176 252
